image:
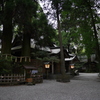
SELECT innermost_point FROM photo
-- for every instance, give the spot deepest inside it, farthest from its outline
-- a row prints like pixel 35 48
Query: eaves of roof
pixel 70 59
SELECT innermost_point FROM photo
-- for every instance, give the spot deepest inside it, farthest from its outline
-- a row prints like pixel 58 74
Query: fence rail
pixel 11 79
pixel 16 59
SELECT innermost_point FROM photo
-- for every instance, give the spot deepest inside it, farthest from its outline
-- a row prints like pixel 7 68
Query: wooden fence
pixel 12 79
pixel 37 78
pixel 16 79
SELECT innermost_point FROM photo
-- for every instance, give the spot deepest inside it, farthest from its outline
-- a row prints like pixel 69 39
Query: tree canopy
pixel 77 19
pixel 25 18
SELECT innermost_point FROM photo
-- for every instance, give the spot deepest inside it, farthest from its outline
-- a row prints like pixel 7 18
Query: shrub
pixel 5 65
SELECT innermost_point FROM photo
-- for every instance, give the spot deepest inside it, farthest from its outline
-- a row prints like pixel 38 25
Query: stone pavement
pixel 82 87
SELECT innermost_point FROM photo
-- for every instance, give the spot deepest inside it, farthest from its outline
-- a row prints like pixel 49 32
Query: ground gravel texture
pixel 82 87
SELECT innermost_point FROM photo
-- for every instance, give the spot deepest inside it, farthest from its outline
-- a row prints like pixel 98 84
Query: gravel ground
pixel 82 87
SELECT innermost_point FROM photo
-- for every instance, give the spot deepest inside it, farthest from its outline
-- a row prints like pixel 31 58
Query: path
pixel 87 77
pixel 82 87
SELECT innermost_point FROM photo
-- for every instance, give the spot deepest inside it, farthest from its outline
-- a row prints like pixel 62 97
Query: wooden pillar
pixel 52 68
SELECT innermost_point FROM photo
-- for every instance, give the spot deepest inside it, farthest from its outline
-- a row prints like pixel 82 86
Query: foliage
pixel 5 65
pixel 49 59
pixel 27 17
pixel 78 23
pixel 39 54
pixel 43 32
pixel 17 68
pixel 44 56
pixel 54 59
pixel 77 19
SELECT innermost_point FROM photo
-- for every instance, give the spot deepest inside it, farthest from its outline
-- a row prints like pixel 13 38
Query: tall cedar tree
pixel 7 14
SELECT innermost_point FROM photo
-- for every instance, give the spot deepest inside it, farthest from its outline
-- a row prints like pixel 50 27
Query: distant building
pixel 52 50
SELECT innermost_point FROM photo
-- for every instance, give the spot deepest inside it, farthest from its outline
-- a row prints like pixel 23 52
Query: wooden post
pixel 52 68
pixel 16 59
pixel 29 59
pixel 20 59
pixel 25 59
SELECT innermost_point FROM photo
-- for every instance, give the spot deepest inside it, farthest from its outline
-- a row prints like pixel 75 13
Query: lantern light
pixel 72 66
pixel 47 65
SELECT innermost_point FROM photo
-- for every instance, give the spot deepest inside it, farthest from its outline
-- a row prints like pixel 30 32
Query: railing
pixel 12 79
pixel 17 59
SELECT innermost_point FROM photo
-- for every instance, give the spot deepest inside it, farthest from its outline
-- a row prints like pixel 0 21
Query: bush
pixel 5 65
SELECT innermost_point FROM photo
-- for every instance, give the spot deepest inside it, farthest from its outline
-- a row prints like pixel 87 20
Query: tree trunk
pixel 63 77
pixel 6 39
pixel 26 45
pixel 7 30
pixel 61 45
